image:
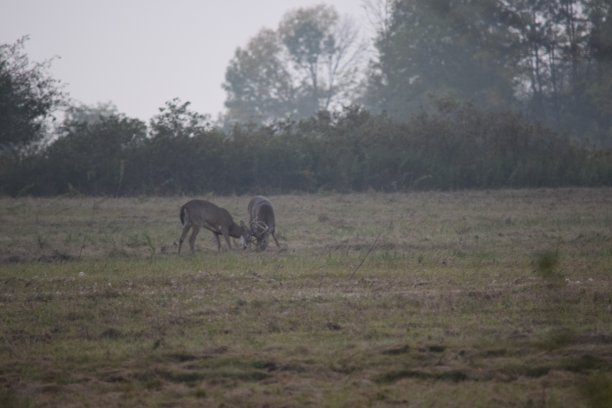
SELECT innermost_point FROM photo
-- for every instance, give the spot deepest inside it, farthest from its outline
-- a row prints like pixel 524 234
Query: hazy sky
pixel 139 54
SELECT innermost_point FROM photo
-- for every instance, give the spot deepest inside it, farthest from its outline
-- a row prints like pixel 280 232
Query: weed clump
pixel 546 265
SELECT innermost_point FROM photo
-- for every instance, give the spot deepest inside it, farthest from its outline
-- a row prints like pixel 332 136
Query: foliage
pixel 92 157
pixel 79 113
pixel 563 44
pixel 257 82
pixel 416 131
pixel 308 64
pixel 177 121
pixel 444 47
pixel 448 146
pixel 547 58
pixel 28 96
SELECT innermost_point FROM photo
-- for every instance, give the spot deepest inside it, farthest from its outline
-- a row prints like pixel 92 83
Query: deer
pixel 262 221
pixel 196 214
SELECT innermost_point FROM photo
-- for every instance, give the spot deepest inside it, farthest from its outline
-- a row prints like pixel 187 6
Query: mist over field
pixel 443 202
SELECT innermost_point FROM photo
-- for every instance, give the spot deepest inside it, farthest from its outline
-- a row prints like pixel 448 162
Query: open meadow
pixel 475 299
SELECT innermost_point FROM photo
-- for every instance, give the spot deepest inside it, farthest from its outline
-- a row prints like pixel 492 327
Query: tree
pixel 600 88
pixel 176 120
pixel 309 63
pixel 568 53
pixel 322 50
pixel 92 157
pixel 28 96
pixel 462 48
pixel 566 80
pixel 79 113
pixel 379 15
pixel 258 84
pixel 183 153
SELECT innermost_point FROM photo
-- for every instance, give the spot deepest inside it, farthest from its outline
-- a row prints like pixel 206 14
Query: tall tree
pixel 309 63
pixel 28 96
pixel 536 74
pixel 322 50
pixel 569 59
pixel 567 82
pixel 257 81
pixel 599 88
pixel 459 47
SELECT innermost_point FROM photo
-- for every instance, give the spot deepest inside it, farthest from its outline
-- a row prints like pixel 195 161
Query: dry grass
pixel 467 299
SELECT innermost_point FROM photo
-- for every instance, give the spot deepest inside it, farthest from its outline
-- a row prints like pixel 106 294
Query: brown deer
pixel 197 214
pixel 261 221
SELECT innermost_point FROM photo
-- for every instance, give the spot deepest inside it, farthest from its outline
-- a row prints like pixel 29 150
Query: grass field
pixel 475 299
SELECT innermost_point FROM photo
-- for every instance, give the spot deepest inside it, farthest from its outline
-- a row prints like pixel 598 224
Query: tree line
pixel 452 146
pixel 549 59
pixel 461 94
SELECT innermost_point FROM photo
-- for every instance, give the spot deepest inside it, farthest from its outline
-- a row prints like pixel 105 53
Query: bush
pixel 454 146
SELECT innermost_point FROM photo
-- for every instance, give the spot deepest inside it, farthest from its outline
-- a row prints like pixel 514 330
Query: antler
pixel 257 225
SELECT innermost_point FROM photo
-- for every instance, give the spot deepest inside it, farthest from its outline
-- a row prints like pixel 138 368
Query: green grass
pixel 467 299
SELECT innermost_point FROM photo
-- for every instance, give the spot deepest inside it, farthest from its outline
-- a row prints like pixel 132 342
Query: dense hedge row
pixel 455 147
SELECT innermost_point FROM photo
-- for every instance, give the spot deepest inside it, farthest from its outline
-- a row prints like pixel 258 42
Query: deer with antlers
pixel 197 214
pixel 262 222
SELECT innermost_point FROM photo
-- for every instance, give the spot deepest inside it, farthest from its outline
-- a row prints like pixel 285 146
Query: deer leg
pixel 275 240
pixel 227 238
pixel 192 238
pixel 186 229
pixel 216 234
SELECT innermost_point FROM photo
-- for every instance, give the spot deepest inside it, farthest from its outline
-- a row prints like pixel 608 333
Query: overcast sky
pixel 138 54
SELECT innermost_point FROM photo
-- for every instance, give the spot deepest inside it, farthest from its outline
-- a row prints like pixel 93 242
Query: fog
pixel 140 53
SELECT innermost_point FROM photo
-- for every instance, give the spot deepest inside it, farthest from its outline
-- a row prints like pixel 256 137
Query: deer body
pixel 262 221
pixel 197 214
